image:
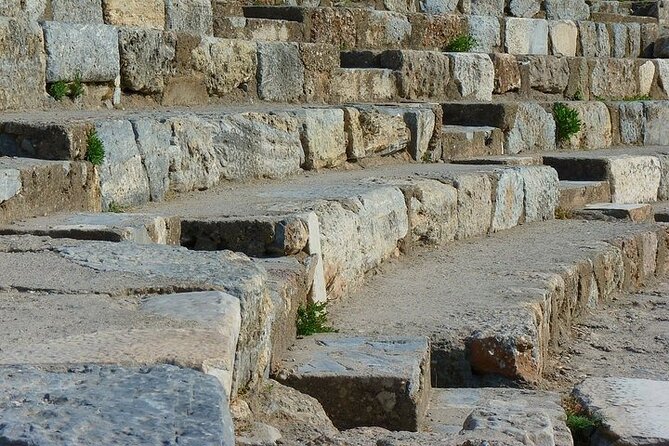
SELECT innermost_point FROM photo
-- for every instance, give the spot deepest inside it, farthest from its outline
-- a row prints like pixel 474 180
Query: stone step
pixel 635 8
pixel 576 194
pixel 520 414
pixel 113 405
pixel 491 313
pixel 637 213
pixel 459 142
pixel 363 381
pixel 267 30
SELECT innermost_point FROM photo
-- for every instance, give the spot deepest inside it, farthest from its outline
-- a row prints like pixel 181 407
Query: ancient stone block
pixel 474 204
pixel 473 74
pixel 507 73
pixel 77 11
pixel 138 13
pixel 375 131
pixel 382 29
pixel 509 199
pixel 493 8
pixel 439 6
pixel 280 72
pixel 189 16
pixel 634 179
pixel 486 31
pixel 421 74
pixel 526 36
pixel 646 77
pixel 663 75
pixel 433 216
pixel 364 85
pixel 548 74
pixel 656 131
pixel 567 10
pixel 614 78
pixel 541 187
pixel 147 58
pixel 320 60
pixel 87 51
pixel 323 137
pixel 227 64
pixel 594 39
pixel 532 129
pixel 563 35
pixel 524 8
pixel 595 130
pixel 10 183
pixel 155 145
pixel 631 122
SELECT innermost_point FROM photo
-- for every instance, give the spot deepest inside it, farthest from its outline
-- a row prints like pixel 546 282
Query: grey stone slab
pixel 567 10
pixel 280 72
pixel 363 381
pixel 632 411
pixel 107 405
pixel 189 16
pixel 633 212
pixel 86 50
pixel 77 11
pixel 10 183
pixel 526 36
pixel 147 57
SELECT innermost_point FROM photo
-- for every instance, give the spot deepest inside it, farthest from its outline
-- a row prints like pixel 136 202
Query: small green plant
pixel 567 121
pixel 581 424
pixel 639 97
pixel 115 208
pixel 76 87
pixel 95 148
pixel 58 90
pixel 461 44
pixel 563 213
pixel 578 96
pixel 312 318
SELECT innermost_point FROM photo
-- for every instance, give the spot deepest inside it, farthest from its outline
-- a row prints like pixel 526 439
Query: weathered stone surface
pixel 656 131
pixel 123 180
pixel 138 13
pixel 189 16
pixel 507 73
pixel 646 77
pixel 486 31
pixel 462 143
pixel 323 137
pixel 375 131
pixel 433 216
pixel 422 74
pixel 614 78
pixel 227 64
pixel 567 9
pixel 563 36
pixel 77 11
pixel 10 183
pixel 364 85
pixel 22 64
pixel 388 377
pixel 594 39
pixel 663 75
pixel 439 6
pixel 88 51
pixel 147 58
pixel 548 74
pixel 88 404
pixel 532 129
pixel 661 47
pixel 637 213
pixel 381 29
pixel 280 72
pixel 576 194
pixel 634 179
pixel 524 8
pixel 595 130
pixel 493 8
pixel 473 75
pixel 474 205
pixel 526 36
pixel 509 199
pixel 422 122
pixel 633 411
pixel 631 122
pixel 541 187
pixel 320 60
pixel 619 40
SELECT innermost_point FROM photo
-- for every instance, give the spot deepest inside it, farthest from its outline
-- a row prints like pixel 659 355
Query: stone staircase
pixel 260 156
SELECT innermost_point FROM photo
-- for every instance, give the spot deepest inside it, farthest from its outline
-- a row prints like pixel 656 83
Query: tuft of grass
pixel 76 87
pixel 461 44
pixel 312 318
pixel 563 213
pixel 581 424
pixel 567 121
pixel 58 90
pixel 578 96
pixel 115 208
pixel 639 97
pixel 95 148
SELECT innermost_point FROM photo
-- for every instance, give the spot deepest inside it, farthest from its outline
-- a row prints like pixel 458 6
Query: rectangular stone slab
pixel 363 381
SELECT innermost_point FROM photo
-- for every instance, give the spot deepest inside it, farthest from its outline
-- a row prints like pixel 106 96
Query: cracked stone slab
pixel 363 381
pixel 90 405
pixel 633 411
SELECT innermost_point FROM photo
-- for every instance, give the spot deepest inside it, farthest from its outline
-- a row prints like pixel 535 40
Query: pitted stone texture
pixel 542 193
pixel 634 179
pixel 563 36
pixel 532 130
pixel 135 13
pixel 88 51
pixel 10 183
pixel 280 72
pixel 422 74
pixel 227 64
pixel 646 77
pixel 88 405
pixel 382 29
pixel 663 75
pixel 594 39
pixel 323 137
pixel 364 85
pixel 548 74
pixel 147 58
pixel 595 130
pixel 189 16
pixel 157 149
pixel 614 78
pixel 475 205
pixel 567 9
pixel 375 131
pixel 77 11
pixel 631 122
pixel 632 411
pixel 656 131
pixel 509 199
pixel 493 8
pixel 363 381
pixel 526 36
pixel 123 180
pixel 524 8
pixel 433 214
pixel 486 31
pixel 507 73
pixel 473 75
pixel 439 6
pixel 22 64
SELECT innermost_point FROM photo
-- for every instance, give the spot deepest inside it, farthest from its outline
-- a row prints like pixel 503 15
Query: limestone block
pixel 507 73
pixel 382 29
pixel 88 51
pixel 649 34
pixel 363 85
pixel 662 69
pixel 634 40
pixel 631 122
pixel 473 74
pixel 656 131
pixel 509 199
pixel 147 59
pixel 280 72
pixel 189 16
pixel 542 192
pixel 493 8
pixel 526 36
pixel 433 216
pixel 258 145
pixel 323 137
pixel 614 78
pixel 154 142
pixel 594 39
pixel 567 9
pixel 646 77
pixel 335 26
pixel 439 6
pixel 22 64
pixel 77 11
pixel 375 131
pixel 634 179
pixel 135 13
pixel 421 74
pixel 421 122
pixel 227 64
pixel 619 38
pixel 487 33
pixel 10 183
pixel 596 132
pixel 524 8
pixel 663 190
pixel 548 74
pixel 474 204
pixel 531 130
pixel 563 35
pixel 123 180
